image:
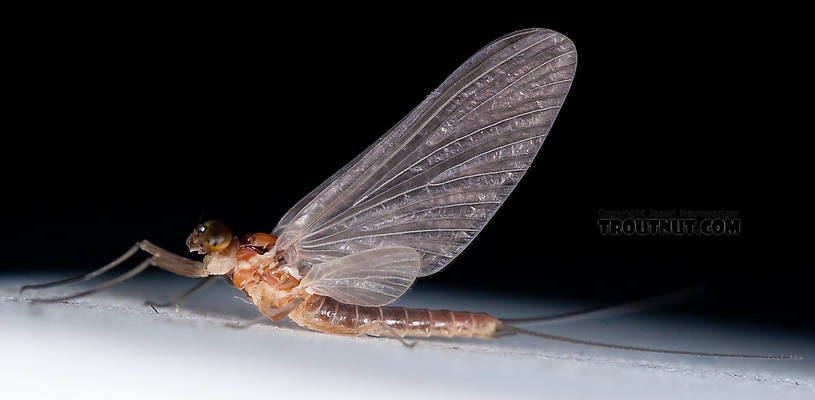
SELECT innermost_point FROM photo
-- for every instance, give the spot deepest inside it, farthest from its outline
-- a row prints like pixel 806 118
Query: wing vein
pixel 394 215
pixel 438 108
pixel 364 197
pixel 328 223
pixel 391 234
pixel 416 198
pixel 513 83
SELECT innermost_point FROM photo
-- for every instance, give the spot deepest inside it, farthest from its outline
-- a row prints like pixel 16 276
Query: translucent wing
pixel 369 278
pixel 435 179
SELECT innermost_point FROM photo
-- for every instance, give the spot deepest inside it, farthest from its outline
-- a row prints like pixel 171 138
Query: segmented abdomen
pixel 328 315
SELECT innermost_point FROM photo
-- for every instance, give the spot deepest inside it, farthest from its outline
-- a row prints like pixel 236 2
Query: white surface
pixel 110 344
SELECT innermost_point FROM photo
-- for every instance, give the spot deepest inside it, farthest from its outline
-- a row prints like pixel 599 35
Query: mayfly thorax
pixel 401 210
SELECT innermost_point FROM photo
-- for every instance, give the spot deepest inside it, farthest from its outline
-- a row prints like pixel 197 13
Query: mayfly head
pixel 210 237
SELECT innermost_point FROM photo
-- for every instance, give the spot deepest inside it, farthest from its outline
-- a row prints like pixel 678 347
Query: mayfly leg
pixel 251 322
pixel 174 263
pixel 159 258
pixel 180 298
pixel 127 275
pixel 85 277
pixel 385 330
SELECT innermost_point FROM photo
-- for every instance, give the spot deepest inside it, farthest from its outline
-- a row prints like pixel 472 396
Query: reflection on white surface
pixel 110 344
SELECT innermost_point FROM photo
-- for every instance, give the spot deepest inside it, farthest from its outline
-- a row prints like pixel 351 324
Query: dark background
pixel 131 124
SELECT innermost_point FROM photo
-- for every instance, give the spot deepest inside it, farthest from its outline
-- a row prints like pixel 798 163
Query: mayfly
pixel 403 209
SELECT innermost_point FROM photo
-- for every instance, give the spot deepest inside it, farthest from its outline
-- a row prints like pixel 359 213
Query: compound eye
pixel 216 235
